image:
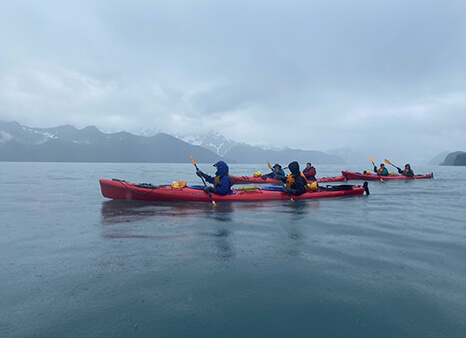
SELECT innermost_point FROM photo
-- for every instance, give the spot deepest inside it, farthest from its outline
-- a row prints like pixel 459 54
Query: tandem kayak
pixel 268 180
pixel 118 189
pixel 365 177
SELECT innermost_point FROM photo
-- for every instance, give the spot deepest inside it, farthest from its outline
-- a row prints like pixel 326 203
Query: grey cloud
pixel 320 75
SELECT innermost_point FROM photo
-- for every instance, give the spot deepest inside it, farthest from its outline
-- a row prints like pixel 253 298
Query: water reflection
pixel 121 211
pixel 224 244
pixel 186 222
pixel 299 211
pixel 301 208
pixel 126 219
pixel 223 212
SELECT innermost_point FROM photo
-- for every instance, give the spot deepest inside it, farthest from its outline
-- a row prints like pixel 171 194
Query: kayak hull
pixel 373 177
pixel 260 180
pixel 117 189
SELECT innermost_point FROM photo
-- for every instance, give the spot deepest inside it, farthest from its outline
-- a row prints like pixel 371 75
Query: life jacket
pixel 178 185
pixel 408 172
pixel 291 181
pixel 382 171
pixel 312 186
pixel 217 179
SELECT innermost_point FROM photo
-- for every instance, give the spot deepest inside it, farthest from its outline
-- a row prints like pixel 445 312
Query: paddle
pixel 388 162
pixel 203 181
pixel 289 195
pixel 375 167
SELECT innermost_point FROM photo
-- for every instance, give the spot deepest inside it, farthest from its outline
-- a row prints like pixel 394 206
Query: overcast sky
pixel 385 78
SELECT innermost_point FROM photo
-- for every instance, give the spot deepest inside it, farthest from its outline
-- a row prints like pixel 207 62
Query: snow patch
pixel 147 132
pixel 45 133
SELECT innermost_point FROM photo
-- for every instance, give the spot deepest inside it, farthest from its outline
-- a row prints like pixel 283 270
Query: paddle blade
pixel 213 202
pixel 268 163
pixel 388 162
pixel 371 159
pixel 192 160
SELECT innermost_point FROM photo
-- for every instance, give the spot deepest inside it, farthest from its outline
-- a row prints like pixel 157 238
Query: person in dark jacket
pixel 295 182
pixel 310 172
pixel 382 171
pixel 407 171
pixel 222 181
pixel 276 170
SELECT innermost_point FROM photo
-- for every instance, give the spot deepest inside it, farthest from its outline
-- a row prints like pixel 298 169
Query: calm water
pixel 74 264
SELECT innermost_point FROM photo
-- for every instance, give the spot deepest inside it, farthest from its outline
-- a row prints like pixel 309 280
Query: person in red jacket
pixel 310 172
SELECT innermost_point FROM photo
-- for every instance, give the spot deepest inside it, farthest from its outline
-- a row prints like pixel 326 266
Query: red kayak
pixel 118 189
pixel 268 180
pixel 374 177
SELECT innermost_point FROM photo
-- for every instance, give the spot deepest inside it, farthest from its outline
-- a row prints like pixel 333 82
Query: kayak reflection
pixel 184 224
pixel 123 211
pixel 135 219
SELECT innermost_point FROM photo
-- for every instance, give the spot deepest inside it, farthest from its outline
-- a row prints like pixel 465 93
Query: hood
pixel 294 168
pixel 222 168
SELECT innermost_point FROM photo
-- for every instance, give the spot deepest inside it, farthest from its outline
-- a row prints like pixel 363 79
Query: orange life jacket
pixel 290 181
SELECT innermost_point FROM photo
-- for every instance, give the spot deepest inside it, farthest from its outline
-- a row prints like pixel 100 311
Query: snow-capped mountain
pixel 147 132
pixel 212 140
pixel 69 144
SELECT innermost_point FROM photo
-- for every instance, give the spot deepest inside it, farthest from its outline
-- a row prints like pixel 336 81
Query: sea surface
pixel 74 264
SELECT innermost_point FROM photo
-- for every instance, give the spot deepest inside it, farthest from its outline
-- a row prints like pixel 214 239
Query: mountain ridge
pixel 68 144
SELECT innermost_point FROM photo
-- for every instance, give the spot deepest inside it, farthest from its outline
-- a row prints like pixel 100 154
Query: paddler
pixel 382 171
pixel 276 170
pixel 407 171
pixel 295 182
pixel 310 172
pixel 222 181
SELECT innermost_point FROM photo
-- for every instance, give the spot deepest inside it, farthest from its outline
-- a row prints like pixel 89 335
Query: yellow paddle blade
pixel 268 163
pixel 381 179
pixel 213 202
pixel 388 162
pixel 371 159
pixel 192 160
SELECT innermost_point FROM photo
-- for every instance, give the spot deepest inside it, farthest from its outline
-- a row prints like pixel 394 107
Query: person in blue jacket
pixel 276 170
pixel 222 181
